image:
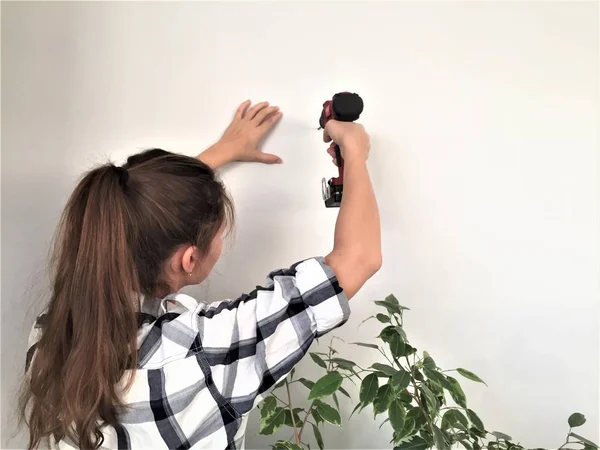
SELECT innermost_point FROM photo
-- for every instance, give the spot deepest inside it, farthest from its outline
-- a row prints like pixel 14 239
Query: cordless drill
pixel 345 107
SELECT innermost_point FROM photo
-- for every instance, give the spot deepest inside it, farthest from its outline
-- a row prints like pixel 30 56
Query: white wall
pixel 485 160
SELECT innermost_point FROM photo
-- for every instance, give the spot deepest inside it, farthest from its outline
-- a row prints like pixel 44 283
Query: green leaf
pixel 475 433
pixel 401 380
pixel 344 391
pixel 499 435
pixel 387 333
pixel 438 378
pixel 392 299
pixel 287 418
pixel 418 416
pixel 383 318
pixel 344 363
pixel 362 344
pixel 385 395
pixel 368 318
pixel 328 413
pixel 390 306
pixel 292 372
pixel 438 437
pixel 587 442
pixel 576 420
pixel 317 416
pixel 318 436
pixel 273 422
pixel 461 419
pixel 397 346
pixel 318 360
pixel 475 420
pixel 430 398
pixel 409 426
pixel 405 397
pixel 360 405
pixel 335 400
pixel 397 415
pixel 384 422
pixel 429 363
pixel 285 445
pixel 448 420
pixel 307 383
pixel 368 389
pixel 416 443
pixel 401 332
pixel 466 444
pixel 470 375
pixel 268 407
pixel 457 394
pixel 416 373
pixel 326 385
pixel 388 370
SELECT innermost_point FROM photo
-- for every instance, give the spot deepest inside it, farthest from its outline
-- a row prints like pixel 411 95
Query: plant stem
pixel 312 404
pixel 308 412
pixel 286 404
pixel 296 436
pixel 385 356
pixel 567 441
pixel 416 396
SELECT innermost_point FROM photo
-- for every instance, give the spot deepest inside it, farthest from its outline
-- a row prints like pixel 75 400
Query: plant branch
pixel 308 412
pixel 385 356
pixel 286 404
pixel 296 436
pixel 416 396
pixel 567 440
pixel 312 404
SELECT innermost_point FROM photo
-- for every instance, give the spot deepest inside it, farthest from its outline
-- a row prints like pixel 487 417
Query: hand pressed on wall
pixel 243 137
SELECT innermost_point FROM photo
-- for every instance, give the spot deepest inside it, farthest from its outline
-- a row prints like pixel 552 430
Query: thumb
pixel 268 158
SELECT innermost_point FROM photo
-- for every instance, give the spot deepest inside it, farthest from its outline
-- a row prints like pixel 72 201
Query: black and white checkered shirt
pixel 203 367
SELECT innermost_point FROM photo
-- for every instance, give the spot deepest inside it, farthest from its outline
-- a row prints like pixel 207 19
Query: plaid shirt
pixel 203 367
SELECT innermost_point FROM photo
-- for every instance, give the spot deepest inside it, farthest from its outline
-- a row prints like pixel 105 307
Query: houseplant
pixel 407 387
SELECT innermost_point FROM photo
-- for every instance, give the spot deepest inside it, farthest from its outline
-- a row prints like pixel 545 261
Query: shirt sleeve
pixel 254 342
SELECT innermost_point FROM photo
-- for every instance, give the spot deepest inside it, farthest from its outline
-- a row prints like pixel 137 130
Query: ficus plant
pixel 425 405
pixel 323 407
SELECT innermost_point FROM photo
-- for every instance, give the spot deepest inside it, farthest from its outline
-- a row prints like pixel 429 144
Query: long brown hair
pixel 118 229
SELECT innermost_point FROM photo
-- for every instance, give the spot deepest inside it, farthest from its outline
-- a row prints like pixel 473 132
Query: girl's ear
pixel 189 259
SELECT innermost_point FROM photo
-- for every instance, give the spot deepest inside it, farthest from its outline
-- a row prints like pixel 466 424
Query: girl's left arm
pixel 243 137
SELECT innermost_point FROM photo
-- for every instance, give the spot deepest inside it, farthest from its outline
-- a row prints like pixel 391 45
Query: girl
pixel 121 360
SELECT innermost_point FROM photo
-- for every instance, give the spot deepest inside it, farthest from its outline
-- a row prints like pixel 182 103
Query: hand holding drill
pixel 336 118
pixel 353 140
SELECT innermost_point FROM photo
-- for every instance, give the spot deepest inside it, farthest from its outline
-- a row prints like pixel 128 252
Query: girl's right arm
pixel 356 254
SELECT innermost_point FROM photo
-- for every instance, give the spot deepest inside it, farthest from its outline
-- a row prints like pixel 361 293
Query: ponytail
pixel 90 329
pixel 119 228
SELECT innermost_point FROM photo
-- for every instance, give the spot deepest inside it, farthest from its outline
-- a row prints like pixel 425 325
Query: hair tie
pixel 123 176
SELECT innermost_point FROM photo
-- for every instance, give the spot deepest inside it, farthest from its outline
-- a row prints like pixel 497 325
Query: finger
pixel 327 135
pixel 255 109
pixel 270 122
pixel 268 158
pixel 331 152
pixel 334 161
pixel 264 113
pixel 239 114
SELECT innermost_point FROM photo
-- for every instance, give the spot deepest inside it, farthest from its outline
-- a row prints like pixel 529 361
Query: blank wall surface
pixel 484 122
